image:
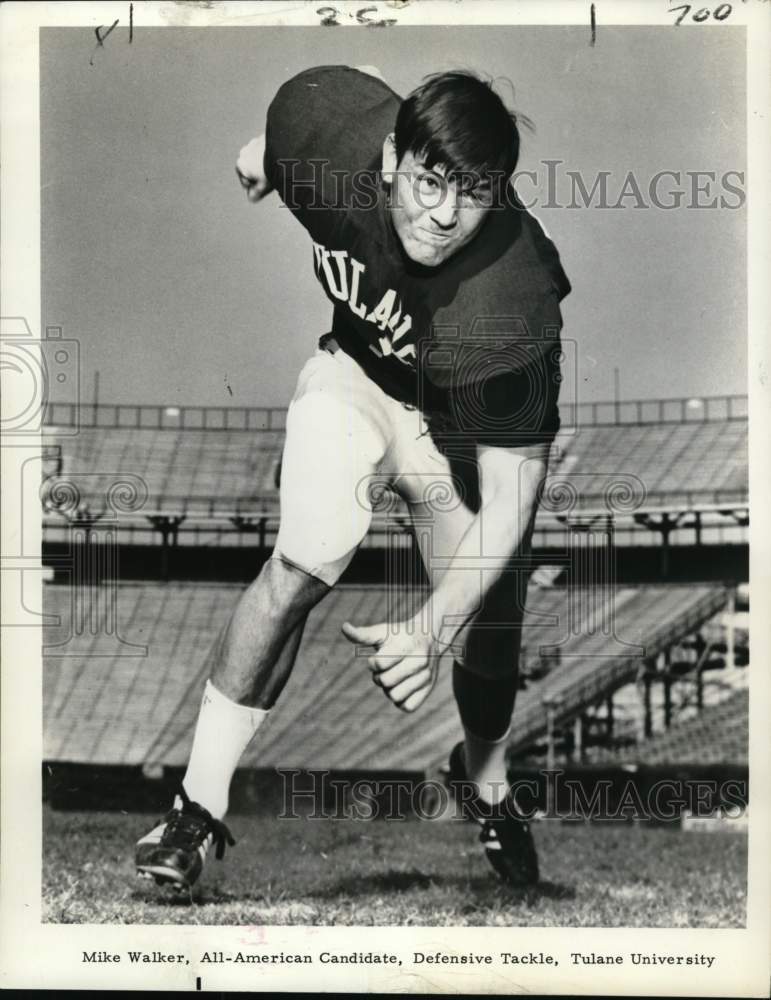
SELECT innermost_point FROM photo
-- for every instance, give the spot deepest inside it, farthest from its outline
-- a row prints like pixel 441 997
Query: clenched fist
pixel 250 167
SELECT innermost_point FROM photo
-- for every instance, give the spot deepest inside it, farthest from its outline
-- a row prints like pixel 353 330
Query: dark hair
pixel 457 121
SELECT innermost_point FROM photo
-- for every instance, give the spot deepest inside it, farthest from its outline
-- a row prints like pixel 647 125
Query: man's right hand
pixel 250 168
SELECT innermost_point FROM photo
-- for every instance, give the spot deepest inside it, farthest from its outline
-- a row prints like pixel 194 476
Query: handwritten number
pixel 685 8
pixel 720 13
pixel 328 15
pixel 371 21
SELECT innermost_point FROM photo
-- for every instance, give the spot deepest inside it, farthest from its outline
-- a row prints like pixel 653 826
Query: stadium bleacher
pixel 717 735
pixel 216 471
pixel 107 706
pixel 125 666
pixel 651 616
pixel 186 471
pixel 688 463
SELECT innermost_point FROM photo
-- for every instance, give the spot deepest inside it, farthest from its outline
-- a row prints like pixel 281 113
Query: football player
pixel 439 377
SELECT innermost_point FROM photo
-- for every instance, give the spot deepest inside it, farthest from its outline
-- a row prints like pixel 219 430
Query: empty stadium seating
pixel 210 473
pixel 124 669
pixel 184 470
pixel 719 734
pixel 688 463
pixel 651 616
pixel 109 702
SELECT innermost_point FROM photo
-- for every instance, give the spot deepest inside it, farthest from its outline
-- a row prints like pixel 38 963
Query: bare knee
pixel 288 588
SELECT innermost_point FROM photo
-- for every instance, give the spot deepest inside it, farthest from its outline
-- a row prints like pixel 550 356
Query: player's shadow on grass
pixel 395 882
pixel 166 896
pixel 479 892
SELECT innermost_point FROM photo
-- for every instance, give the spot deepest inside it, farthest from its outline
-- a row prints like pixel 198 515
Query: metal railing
pixel 124 416
pixel 574 696
pixel 694 409
pixel 678 410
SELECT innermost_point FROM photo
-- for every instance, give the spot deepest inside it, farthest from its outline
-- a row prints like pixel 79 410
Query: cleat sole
pixel 164 876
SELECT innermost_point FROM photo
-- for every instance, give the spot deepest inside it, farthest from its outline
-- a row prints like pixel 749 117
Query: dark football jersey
pixel 475 340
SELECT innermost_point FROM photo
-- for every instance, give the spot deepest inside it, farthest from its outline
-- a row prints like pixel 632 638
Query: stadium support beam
pixel 168 526
pixel 702 649
pixel 730 635
pixel 740 515
pixel 551 705
pixel 664 523
pixel 249 525
pixel 667 688
pixel 647 705
pixel 578 738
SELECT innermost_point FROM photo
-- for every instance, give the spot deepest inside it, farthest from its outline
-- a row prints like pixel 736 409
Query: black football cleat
pixel 173 853
pixel 505 834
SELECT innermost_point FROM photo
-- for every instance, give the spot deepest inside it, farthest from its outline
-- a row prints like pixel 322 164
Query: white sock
pixel 486 766
pixel 222 733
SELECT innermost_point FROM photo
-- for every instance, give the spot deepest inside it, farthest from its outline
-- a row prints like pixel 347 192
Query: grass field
pixel 381 873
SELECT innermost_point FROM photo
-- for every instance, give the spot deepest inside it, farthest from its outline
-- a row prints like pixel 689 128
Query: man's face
pixel 432 217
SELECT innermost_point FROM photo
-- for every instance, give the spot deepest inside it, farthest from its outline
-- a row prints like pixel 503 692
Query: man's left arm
pixel 510 483
pixel 406 657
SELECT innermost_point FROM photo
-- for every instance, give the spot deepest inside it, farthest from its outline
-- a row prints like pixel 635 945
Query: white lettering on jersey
pixel 382 311
pixel 341 291
pixel 357 307
pixel 344 286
